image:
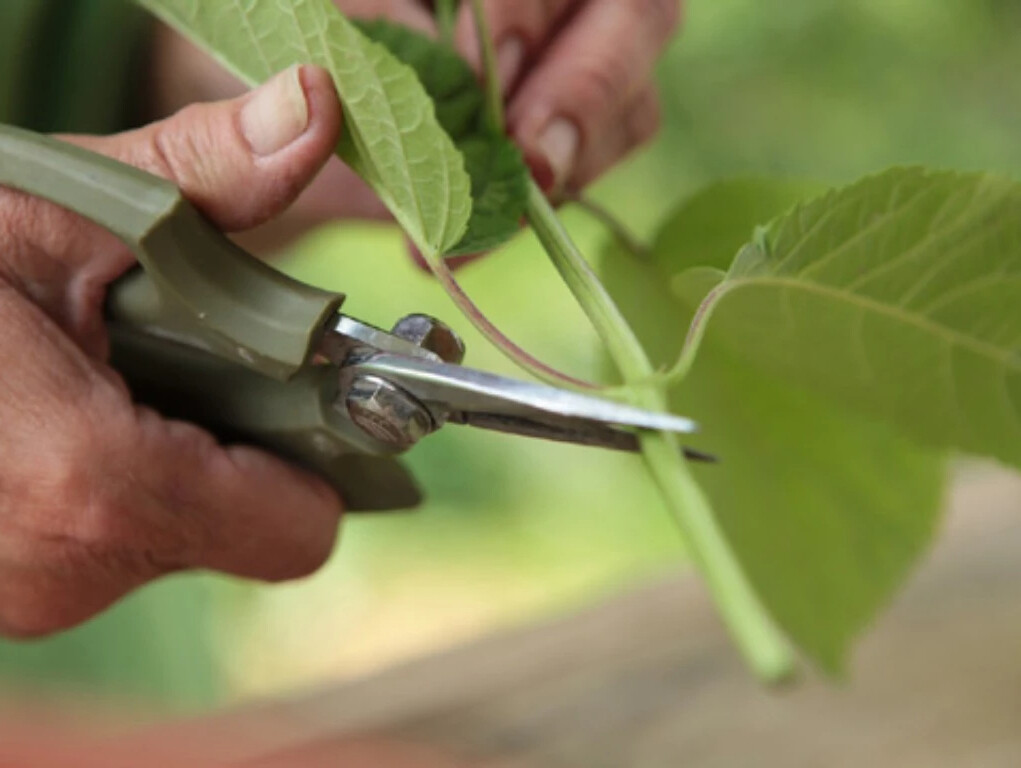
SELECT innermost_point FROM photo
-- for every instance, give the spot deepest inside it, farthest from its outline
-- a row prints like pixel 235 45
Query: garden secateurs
pixel 206 332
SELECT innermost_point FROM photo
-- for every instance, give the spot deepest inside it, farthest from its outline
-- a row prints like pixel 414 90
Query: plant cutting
pixel 876 322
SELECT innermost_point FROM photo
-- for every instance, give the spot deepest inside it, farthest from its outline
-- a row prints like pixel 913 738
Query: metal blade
pixel 467 391
pixel 585 433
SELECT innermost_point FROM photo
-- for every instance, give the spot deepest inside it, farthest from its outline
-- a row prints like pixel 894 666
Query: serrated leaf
pixel 498 172
pixel 898 297
pixel 392 137
pixel 826 511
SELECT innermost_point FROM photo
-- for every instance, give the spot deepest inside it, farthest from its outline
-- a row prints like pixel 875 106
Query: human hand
pixel 99 496
pixel 577 74
pixel 578 79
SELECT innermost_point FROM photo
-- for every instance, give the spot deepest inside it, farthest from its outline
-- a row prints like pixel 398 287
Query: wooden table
pixel 649 680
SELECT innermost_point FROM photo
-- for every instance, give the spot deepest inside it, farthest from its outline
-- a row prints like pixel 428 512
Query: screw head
pixel 387 413
pixel 433 336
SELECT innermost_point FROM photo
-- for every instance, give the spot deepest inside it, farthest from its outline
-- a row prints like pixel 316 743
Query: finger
pixel 241 161
pixel 636 125
pixel 519 30
pixel 99 498
pixel 593 70
pixel 58 561
pixel 236 510
pixel 245 160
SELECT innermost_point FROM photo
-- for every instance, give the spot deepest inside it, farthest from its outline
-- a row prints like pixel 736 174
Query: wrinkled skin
pixel 99 496
pixel 578 75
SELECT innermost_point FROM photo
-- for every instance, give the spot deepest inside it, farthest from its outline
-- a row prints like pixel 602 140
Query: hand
pixel 577 75
pixel 98 496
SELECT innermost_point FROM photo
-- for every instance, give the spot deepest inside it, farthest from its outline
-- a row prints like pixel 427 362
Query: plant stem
pixel 446 20
pixel 494 88
pixel 754 632
pixel 441 271
pixel 624 236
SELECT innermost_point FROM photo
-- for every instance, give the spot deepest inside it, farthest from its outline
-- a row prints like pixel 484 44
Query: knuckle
pixel 180 149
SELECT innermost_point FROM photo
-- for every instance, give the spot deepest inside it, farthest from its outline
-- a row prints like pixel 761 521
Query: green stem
pixel 441 271
pixel 754 632
pixel 494 88
pixel 446 20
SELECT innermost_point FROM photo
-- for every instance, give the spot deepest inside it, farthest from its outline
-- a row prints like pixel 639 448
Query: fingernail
pixel 276 114
pixel 509 59
pixel 559 143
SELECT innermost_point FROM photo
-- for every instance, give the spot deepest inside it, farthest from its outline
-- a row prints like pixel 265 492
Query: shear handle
pixel 198 287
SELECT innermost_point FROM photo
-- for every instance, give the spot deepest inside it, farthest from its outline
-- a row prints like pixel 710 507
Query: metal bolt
pixel 387 413
pixel 433 336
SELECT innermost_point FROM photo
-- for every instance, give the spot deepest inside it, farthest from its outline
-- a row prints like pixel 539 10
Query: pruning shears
pixel 206 332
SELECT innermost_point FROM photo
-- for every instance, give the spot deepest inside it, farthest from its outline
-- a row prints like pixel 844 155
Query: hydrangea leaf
pixel 826 511
pixel 498 172
pixel 392 136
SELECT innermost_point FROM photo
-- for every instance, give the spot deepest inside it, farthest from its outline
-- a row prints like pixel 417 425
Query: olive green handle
pixel 297 420
pixel 206 332
pixel 197 285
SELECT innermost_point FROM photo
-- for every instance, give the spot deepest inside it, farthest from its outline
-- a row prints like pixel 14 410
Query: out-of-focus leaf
pixel 826 510
pixel 392 137
pixel 898 297
pixel 498 172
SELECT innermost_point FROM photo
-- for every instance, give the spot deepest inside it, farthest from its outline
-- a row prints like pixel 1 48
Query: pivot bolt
pixel 387 413
pixel 433 336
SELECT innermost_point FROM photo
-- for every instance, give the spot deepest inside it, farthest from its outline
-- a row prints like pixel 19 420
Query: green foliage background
pixel 821 89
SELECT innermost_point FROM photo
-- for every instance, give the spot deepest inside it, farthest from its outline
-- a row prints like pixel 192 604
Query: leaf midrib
pixel 328 50
pixel 1006 357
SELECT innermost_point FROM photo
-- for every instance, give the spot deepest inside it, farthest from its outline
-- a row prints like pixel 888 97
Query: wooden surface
pixel 649 679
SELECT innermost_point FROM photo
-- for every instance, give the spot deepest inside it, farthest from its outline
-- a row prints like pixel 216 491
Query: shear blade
pixel 466 391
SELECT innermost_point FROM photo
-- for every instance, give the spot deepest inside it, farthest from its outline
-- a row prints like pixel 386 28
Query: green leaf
pixel 392 137
pixel 898 297
pixel 494 163
pixel 826 511
pixel 711 227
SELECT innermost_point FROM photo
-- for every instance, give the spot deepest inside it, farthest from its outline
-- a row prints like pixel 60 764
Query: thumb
pixel 242 161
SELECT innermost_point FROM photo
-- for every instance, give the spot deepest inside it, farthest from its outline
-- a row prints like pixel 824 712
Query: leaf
pixel 710 228
pixel 898 297
pixel 392 137
pixel 494 163
pixel 826 511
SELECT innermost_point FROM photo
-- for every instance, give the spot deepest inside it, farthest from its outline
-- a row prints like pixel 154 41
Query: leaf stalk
pixel 761 643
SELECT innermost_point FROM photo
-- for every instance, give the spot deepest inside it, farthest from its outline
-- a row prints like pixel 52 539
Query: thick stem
pixel 754 632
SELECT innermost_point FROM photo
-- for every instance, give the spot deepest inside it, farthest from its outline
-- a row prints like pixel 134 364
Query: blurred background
pixel 516 530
